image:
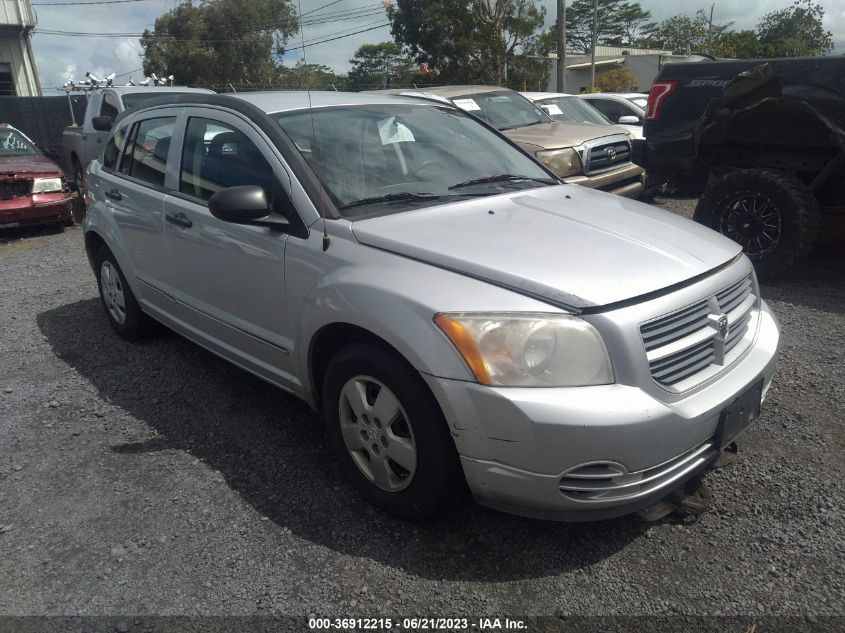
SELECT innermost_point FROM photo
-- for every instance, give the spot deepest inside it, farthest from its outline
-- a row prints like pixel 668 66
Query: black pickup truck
pixel 762 142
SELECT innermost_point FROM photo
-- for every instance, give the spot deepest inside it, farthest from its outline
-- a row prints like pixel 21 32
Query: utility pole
pixel 561 46
pixel 710 31
pixel 593 52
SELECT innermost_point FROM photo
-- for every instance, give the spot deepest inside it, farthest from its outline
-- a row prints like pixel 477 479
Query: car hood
pixel 566 245
pixel 36 164
pixel 557 134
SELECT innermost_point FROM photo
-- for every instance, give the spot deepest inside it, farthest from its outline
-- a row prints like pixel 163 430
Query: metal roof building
pixel 18 74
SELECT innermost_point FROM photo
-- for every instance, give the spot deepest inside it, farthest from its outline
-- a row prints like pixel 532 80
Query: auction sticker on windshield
pixel 466 104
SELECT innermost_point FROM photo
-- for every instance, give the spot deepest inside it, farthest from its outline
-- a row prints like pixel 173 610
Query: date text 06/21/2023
pixel 417 624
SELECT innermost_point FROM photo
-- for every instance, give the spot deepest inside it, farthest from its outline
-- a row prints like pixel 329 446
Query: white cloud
pixel 55 55
pixel 129 51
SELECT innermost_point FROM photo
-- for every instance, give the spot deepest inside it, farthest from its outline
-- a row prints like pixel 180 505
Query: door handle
pixel 114 194
pixel 180 219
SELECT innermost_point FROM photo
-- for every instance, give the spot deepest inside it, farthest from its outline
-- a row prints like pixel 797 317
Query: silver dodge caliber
pixel 460 318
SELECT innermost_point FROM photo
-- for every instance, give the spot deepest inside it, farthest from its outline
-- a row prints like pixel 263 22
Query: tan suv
pixel 596 156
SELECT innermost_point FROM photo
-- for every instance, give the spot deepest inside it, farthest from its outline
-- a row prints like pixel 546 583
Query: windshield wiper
pixel 390 197
pixel 514 127
pixel 499 178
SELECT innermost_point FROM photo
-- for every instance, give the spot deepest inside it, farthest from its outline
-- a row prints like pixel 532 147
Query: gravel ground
pixel 155 478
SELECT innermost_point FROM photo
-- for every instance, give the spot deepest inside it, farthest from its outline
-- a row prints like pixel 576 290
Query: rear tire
pixel 376 407
pixel 121 307
pixel 772 215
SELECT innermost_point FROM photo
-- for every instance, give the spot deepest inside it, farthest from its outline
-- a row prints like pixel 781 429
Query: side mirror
pixel 102 123
pixel 630 120
pixel 242 205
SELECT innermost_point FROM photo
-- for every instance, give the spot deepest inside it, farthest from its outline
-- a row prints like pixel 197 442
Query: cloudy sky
pixel 60 56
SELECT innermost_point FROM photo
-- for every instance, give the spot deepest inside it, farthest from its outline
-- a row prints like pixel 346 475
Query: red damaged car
pixel 32 187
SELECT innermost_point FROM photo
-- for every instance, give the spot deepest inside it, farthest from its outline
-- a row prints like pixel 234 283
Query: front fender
pixel 386 309
pixel 388 295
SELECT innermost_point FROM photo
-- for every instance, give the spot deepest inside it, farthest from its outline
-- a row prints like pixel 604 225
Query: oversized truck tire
pixel 772 215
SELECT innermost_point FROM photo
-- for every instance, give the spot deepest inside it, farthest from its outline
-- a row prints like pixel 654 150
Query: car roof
pixel 282 101
pixel 538 96
pixel 616 95
pixel 279 101
pixel 134 89
pixel 450 91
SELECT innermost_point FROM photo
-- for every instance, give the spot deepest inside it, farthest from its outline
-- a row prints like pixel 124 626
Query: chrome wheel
pixel 112 291
pixel 377 433
pixel 754 222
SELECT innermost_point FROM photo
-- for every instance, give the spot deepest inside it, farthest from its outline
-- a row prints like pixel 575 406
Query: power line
pixel 332 39
pixel 319 8
pixel 314 42
pixel 70 4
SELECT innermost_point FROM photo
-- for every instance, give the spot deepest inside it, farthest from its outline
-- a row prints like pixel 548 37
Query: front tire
pixel 772 215
pixel 389 433
pixel 122 309
pixel 79 178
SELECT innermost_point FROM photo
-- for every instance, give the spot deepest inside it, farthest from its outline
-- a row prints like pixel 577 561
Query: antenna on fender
pixel 326 240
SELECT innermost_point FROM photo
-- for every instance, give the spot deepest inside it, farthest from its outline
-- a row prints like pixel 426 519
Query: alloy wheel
pixel 377 433
pixel 754 222
pixel 112 290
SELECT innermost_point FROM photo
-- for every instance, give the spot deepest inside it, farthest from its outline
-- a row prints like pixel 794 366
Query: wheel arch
pixel 93 243
pixel 330 339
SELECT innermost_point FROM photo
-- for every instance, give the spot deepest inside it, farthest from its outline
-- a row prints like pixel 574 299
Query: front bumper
pixel 517 444
pixel 626 181
pixel 42 208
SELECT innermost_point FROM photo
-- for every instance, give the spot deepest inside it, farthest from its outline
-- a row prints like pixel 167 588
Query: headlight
pixel 529 349
pixel 563 162
pixel 46 185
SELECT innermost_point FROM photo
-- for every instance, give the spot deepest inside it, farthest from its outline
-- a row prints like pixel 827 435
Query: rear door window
pixel 146 155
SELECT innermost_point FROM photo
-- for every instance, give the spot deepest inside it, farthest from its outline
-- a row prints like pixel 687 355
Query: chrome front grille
pixel 687 346
pixel 604 153
pixel 611 481
pixel 608 156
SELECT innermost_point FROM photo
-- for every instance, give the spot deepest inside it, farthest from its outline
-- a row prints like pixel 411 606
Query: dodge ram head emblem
pixel 611 153
pixel 723 327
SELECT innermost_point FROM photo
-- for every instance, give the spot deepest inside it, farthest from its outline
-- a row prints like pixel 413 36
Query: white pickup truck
pixel 82 143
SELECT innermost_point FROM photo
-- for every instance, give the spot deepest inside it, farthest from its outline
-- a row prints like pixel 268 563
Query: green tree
pixel 310 76
pixel 473 41
pixel 617 80
pixel 375 64
pixel 683 34
pixel 794 31
pixel 216 42
pixel 631 18
pixel 738 45
pixel 619 24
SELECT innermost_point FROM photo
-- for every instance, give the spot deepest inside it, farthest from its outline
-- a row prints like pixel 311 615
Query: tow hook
pixel 690 498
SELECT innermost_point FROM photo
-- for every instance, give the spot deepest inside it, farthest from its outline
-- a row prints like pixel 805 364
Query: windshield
pixel 13 143
pixel 572 110
pixel 503 110
pixel 389 158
